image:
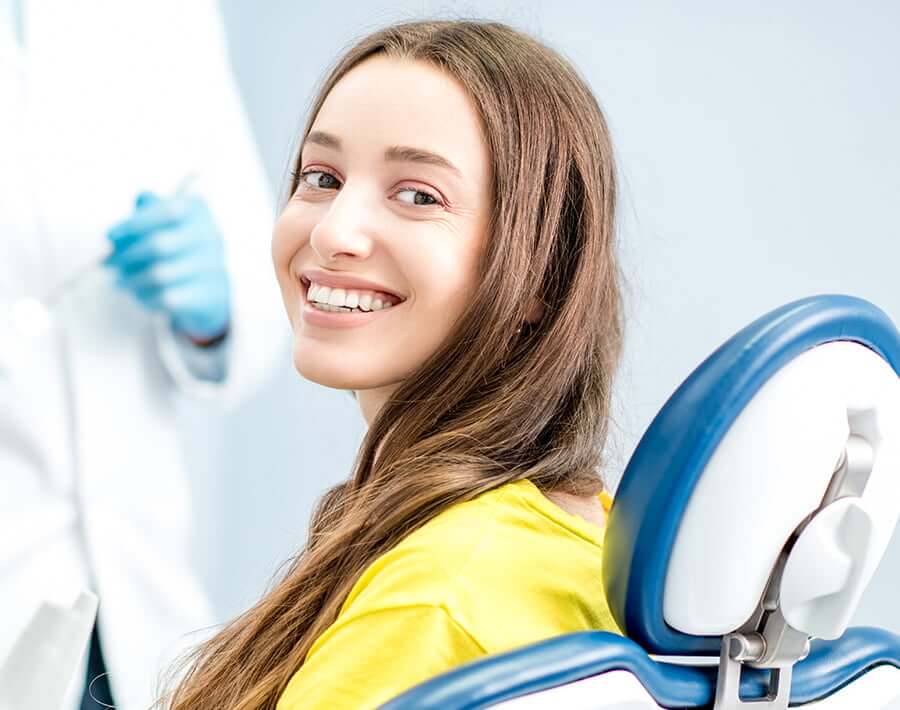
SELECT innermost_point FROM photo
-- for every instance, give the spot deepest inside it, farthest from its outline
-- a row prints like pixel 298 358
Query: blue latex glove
pixel 169 254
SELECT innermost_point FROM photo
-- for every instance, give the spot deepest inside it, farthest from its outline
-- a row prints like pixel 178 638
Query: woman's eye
pixel 319 179
pixel 418 197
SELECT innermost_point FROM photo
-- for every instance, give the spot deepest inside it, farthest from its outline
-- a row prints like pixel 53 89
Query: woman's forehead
pixel 385 101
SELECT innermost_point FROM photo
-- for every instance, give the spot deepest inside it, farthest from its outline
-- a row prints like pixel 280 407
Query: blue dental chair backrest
pixel 741 453
pixel 781 451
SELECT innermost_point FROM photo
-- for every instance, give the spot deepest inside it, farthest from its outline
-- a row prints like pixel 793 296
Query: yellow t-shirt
pixel 500 571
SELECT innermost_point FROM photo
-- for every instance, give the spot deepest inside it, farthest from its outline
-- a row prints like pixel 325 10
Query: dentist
pixel 106 107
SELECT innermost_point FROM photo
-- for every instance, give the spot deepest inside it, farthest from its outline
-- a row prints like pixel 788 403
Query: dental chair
pixel 746 527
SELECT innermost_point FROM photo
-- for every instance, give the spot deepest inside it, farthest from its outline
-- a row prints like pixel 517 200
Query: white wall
pixel 759 149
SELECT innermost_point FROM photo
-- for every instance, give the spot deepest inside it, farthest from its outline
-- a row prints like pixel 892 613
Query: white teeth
pixel 342 299
pixel 337 297
pixel 323 293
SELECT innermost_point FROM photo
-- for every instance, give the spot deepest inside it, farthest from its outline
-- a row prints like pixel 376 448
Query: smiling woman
pixel 447 254
pixel 369 211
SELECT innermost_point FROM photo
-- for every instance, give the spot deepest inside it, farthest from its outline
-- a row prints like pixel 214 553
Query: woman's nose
pixel 345 229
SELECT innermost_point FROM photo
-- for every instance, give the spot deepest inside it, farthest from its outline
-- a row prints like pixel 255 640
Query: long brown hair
pixel 492 405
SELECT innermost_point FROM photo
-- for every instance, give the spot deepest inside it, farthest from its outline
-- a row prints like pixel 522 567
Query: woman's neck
pixel 372 400
pixel 587 507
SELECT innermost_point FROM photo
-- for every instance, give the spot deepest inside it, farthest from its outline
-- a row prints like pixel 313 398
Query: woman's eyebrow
pixel 396 153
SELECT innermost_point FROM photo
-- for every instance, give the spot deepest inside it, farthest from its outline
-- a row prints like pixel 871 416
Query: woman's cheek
pixel 287 239
pixel 279 248
pixel 282 254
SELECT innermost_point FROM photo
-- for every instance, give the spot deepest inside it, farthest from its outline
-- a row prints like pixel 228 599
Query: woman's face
pixel 392 208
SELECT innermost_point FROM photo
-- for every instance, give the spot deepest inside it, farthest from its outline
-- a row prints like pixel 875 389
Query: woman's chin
pixel 337 375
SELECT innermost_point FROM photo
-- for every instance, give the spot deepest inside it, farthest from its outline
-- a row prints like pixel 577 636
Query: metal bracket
pixel 735 649
pixel 767 641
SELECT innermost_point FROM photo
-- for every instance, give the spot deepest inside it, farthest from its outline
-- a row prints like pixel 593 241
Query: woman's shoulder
pixel 506 553
pixel 512 522
pixel 422 566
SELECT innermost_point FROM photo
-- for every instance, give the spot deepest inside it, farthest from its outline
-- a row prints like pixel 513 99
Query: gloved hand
pixel 169 254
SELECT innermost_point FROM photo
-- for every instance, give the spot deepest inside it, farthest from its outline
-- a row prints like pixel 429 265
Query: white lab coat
pixel 100 101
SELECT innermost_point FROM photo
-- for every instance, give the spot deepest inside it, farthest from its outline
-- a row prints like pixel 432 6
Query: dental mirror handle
pixel 71 280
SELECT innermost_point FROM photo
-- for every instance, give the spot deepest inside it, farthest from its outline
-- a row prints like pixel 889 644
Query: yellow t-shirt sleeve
pixel 368 659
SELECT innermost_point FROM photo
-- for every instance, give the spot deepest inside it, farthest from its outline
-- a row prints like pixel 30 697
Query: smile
pixel 346 300
pixel 343 307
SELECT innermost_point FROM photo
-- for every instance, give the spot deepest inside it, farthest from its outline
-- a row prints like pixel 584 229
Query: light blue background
pixel 759 149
